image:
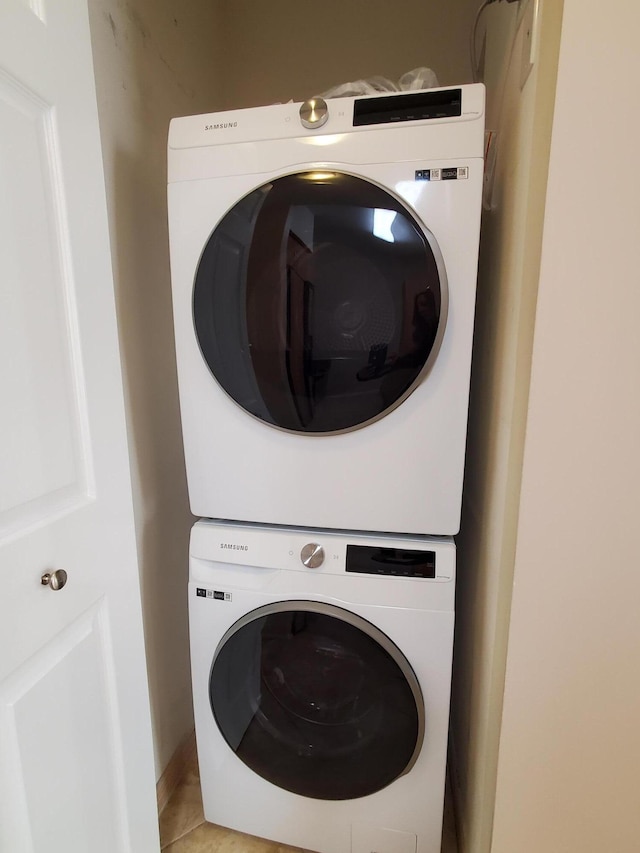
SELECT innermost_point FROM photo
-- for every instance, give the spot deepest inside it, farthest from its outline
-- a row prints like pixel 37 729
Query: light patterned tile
pixel 183 812
pixel 208 838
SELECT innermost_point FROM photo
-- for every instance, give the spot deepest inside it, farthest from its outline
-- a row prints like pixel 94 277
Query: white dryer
pixel 321 667
pixel 323 261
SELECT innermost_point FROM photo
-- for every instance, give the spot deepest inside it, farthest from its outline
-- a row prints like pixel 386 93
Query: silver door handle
pixel 56 579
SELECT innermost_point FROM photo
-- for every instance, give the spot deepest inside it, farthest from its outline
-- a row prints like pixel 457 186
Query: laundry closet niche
pixel 292 50
pixel 287 50
pixel 157 61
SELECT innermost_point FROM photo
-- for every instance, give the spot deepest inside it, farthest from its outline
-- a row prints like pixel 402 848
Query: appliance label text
pixel 455 173
pixel 216 594
pixel 221 125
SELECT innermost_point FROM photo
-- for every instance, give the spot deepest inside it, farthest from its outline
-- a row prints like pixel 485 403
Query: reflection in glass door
pixel 319 301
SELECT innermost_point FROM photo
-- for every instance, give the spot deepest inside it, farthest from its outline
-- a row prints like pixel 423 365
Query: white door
pixel 76 764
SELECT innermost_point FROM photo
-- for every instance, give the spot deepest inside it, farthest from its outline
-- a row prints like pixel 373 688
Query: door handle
pixel 55 580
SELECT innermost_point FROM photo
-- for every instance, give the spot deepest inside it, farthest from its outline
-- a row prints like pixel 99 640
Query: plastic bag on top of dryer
pixel 418 78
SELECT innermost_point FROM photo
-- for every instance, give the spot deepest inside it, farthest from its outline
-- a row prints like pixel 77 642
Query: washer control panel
pixel 328 554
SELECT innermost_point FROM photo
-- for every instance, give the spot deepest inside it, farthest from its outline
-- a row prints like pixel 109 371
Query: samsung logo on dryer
pixel 221 126
pixel 231 547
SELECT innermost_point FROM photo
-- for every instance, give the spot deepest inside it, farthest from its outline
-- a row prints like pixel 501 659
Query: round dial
pixel 314 113
pixel 312 555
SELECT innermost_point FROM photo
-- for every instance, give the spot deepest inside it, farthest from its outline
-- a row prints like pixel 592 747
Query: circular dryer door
pixel 319 302
pixel 317 700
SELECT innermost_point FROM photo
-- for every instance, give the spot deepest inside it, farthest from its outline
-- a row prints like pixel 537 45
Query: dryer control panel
pixel 415 106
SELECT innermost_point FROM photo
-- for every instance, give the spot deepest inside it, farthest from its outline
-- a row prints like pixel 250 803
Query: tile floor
pixel 183 828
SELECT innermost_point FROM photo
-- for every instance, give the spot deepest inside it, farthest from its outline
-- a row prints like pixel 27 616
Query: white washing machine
pixel 321 667
pixel 323 260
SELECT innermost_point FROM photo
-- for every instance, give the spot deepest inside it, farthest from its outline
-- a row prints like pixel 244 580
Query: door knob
pixel 56 579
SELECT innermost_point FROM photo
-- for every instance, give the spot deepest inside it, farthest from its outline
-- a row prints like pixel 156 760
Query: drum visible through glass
pixel 316 704
pixel 319 302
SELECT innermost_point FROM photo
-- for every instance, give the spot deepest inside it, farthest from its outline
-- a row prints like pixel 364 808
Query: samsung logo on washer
pixel 221 126
pixel 232 547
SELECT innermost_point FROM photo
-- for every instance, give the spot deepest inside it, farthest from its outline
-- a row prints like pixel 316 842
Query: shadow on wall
pixel 162 515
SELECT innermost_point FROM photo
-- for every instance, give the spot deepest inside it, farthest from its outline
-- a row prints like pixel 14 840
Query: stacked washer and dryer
pixel 323 262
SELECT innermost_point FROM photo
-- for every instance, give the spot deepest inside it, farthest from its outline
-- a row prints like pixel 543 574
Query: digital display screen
pixel 407 107
pixel 399 562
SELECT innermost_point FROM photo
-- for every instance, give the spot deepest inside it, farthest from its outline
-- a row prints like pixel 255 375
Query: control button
pixel 312 555
pixel 314 113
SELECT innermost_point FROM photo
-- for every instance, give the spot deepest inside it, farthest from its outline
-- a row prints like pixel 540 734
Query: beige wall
pixel 570 744
pixel 507 291
pixel 153 60
pixel 293 49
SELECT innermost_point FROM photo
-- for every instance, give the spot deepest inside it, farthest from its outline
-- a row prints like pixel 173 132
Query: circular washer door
pixel 319 302
pixel 317 700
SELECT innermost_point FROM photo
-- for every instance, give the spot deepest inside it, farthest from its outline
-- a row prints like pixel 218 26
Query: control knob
pixel 314 113
pixel 312 555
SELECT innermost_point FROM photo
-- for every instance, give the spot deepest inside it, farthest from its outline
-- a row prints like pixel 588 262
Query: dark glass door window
pixel 317 701
pixel 319 302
